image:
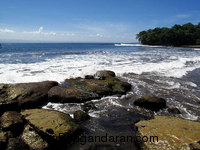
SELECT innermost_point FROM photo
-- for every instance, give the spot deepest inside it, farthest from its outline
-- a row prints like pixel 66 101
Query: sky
pixel 90 20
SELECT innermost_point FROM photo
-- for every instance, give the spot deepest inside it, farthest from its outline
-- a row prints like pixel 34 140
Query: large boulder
pixel 52 125
pixel 24 95
pixel 32 139
pixel 106 87
pixel 69 94
pixel 12 121
pixel 151 102
pixel 84 89
pixel 91 85
pixel 169 133
pixel 6 99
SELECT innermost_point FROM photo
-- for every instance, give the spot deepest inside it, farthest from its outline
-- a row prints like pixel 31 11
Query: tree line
pixel 186 34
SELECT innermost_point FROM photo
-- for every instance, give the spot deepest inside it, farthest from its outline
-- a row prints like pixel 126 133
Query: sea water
pixel 168 72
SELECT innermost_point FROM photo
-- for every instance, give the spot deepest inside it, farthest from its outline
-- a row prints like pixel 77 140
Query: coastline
pixel 190 46
pixel 182 46
pixel 107 113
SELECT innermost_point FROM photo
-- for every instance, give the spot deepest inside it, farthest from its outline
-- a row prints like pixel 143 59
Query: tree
pixel 187 34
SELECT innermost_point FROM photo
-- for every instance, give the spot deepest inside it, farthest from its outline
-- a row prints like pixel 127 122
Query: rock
pixel 35 93
pixel 3 139
pixel 12 121
pixel 151 102
pixel 104 147
pixel 89 77
pixel 24 95
pixel 103 74
pixel 15 144
pixel 53 125
pixel 6 103
pixel 174 110
pixel 69 94
pixel 31 138
pixel 80 115
pixel 87 106
pixel 105 87
pixel 79 90
pixel 195 146
pixel 121 87
pixel 98 87
pixel 171 132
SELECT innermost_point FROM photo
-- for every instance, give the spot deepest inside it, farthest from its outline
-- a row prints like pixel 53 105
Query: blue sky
pixel 90 20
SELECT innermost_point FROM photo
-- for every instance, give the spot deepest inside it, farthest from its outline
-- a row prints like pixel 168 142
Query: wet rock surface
pixel 172 132
pixel 69 94
pixel 24 95
pixel 32 139
pixel 112 114
pixel 80 116
pixel 79 90
pixel 174 110
pixel 46 129
pixel 11 121
pixel 3 139
pixel 88 106
pixel 102 74
pixel 108 86
pixel 53 124
pixel 195 146
pixel 15 144
pixel 151 102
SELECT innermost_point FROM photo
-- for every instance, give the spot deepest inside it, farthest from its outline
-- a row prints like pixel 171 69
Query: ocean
pixel 168 72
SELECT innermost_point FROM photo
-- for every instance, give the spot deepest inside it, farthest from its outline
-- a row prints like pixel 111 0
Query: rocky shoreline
pixel 25 125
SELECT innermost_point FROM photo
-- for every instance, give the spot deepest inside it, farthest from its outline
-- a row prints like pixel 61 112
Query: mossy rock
pixel 69 94
pixel 105 87
pixel 103 74
pixel 3 139
pixel 52 124
pixel 172 132
pixel 24 95
pixel 31 138
pixel 12 121
pixel 99 87
pixel 80 116
pixel 195 146
pixel 151 102
pixel 16 144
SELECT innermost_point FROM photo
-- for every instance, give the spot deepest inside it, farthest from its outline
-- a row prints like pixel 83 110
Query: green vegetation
pixel 187 34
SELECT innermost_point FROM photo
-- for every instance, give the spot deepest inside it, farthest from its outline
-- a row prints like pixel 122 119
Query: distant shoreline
pixel 181 46
pixel 190 46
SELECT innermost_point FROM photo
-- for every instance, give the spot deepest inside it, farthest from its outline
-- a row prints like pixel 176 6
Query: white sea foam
pixel 126 44
pixel 68 66
pixel 197 49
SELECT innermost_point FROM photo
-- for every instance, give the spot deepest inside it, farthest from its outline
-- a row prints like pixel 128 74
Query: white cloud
pixel 7 31
pixel 83 32
pixel 182 16
pixel 99 35
pixel 40 31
